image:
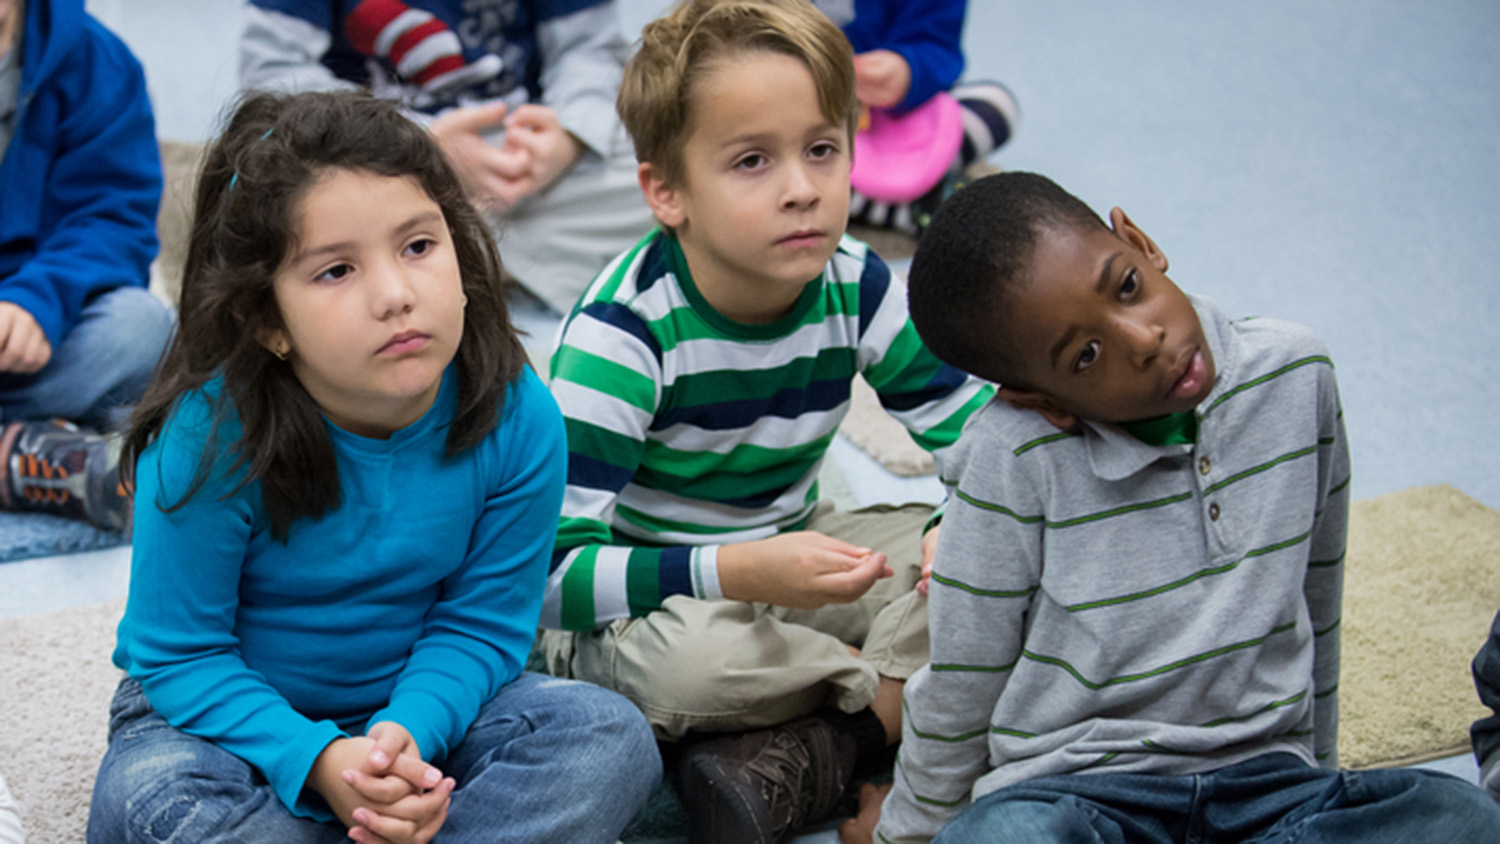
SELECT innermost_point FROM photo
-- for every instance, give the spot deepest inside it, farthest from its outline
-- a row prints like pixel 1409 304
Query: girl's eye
pixel 1089 354
pixel 334 273
pixel 1130 285
pixel 421 246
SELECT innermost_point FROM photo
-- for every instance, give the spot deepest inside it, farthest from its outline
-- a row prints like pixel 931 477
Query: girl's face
pixel 372 300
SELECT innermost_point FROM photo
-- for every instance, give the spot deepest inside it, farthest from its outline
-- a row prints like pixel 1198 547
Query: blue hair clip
pixel 236 177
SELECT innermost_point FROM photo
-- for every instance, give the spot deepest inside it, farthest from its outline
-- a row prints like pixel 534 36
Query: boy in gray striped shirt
pixel 1134 608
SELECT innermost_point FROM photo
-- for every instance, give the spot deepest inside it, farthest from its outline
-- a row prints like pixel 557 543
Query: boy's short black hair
pixel 975 254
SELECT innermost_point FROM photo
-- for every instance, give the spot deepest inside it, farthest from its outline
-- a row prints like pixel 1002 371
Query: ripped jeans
pixel 545 760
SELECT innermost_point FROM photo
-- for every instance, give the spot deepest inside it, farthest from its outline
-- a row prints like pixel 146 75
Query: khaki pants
pixel 720 666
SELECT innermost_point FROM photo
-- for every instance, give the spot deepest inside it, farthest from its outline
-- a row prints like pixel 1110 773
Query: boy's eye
pixel 1088 355
pixel 334 273
pixel 824 149
pixel 750 162
pixel 1130 284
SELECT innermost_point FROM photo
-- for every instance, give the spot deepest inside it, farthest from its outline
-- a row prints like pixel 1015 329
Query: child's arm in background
pixel 927 35
pixel 988 567
pixel 1324 584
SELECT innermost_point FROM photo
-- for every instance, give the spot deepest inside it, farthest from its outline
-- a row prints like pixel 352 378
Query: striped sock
pixel 990 116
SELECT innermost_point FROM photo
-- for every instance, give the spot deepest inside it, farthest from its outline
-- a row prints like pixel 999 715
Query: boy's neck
pixel 737 299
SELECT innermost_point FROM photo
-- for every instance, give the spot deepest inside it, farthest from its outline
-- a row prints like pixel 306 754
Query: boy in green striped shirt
pixel 703 376
pixel 1135 602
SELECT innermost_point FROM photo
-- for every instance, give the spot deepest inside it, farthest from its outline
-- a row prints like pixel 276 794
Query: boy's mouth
pixel 1190 382
pixel 802 238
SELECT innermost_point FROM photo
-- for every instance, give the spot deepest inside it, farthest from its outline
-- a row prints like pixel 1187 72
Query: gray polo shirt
pixel 1101 604
pixel 10 90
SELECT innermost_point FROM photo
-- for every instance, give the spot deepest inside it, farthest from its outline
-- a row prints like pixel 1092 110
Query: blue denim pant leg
pixel 100 369
pixel 550 760
pixel 1276 798
pixel 159 784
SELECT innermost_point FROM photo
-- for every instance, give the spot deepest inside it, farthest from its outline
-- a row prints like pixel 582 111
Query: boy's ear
pixel 1023 399
pixel 1133 235
pixel 664 199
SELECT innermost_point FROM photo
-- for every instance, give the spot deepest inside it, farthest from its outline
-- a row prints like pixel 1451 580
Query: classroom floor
pixel 1329 163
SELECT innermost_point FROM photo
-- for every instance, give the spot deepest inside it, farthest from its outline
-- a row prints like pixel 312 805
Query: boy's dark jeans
pixel 1271 798
pixel 1485 733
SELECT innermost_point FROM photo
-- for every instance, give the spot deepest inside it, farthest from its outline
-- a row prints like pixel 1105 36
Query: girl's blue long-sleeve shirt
pixel 927 33
pixel 413 601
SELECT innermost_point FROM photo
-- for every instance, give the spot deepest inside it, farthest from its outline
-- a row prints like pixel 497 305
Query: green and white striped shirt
pixel 687 431
pixel 1099 604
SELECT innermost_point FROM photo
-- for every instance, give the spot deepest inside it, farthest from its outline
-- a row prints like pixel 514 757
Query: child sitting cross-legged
pixel 347 484
pixel 703 377
pixel 1135 601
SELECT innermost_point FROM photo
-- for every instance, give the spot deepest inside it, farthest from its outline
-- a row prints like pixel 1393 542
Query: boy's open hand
pixel 802 570
pixel 23 345
pixel 380 788
pixel 860 829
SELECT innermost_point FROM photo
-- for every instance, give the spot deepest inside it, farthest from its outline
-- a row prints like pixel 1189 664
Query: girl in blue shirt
pixel 347 485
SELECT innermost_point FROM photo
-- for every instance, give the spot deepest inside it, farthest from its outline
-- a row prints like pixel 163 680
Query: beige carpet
pixel 1422 588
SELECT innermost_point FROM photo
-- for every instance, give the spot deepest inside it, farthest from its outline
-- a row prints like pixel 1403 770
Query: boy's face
pixel 1104 334
pixel 764 193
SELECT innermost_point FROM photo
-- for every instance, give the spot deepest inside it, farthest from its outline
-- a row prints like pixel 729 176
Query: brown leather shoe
pixel 758 787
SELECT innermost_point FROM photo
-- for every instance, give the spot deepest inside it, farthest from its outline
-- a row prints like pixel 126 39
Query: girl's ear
pixel 665 200
pixel 1133 235
pixel 275 341
pixel 1022 399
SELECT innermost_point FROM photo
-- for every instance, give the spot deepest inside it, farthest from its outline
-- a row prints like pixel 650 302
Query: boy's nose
pixel 1143 339
pixel 801 190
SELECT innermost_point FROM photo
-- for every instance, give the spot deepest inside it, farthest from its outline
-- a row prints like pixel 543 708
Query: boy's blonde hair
pixel 678 49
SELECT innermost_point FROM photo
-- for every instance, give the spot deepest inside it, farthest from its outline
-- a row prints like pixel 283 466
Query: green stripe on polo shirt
pixel 1192 578
pixel 1256 470
pixel 1155 672
pixel 643 580
pixel 609 377
pixel 996 508
pixel 983 593
pixel 1275 704
pixel 1268 377
pixel 906 713
pixel 1040 441
pixel 1121 511
pixel 578 591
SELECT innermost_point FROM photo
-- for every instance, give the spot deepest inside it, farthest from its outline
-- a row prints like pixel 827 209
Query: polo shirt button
pixel 1204 465
pixel 1213 511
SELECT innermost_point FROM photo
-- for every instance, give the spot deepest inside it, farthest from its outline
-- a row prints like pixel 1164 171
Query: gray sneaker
pixel 760 786
pixel 56 467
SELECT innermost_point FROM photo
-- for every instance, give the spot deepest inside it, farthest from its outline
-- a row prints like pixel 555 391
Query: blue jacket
pixel 81 180
pixel 927 33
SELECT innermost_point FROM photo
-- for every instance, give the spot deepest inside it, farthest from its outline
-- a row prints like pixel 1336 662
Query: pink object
pixel 897 159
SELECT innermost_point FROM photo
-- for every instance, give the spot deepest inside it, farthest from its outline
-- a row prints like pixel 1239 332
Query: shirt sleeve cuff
pixel 706 573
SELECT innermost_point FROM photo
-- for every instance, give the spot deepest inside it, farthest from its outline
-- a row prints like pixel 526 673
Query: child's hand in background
pixel 881 78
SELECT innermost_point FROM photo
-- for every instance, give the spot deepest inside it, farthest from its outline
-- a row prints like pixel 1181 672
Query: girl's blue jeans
pixel 1273 798
pixel 545 760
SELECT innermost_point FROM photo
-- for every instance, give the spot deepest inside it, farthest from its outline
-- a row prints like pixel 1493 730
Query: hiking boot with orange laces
pixel 58 468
